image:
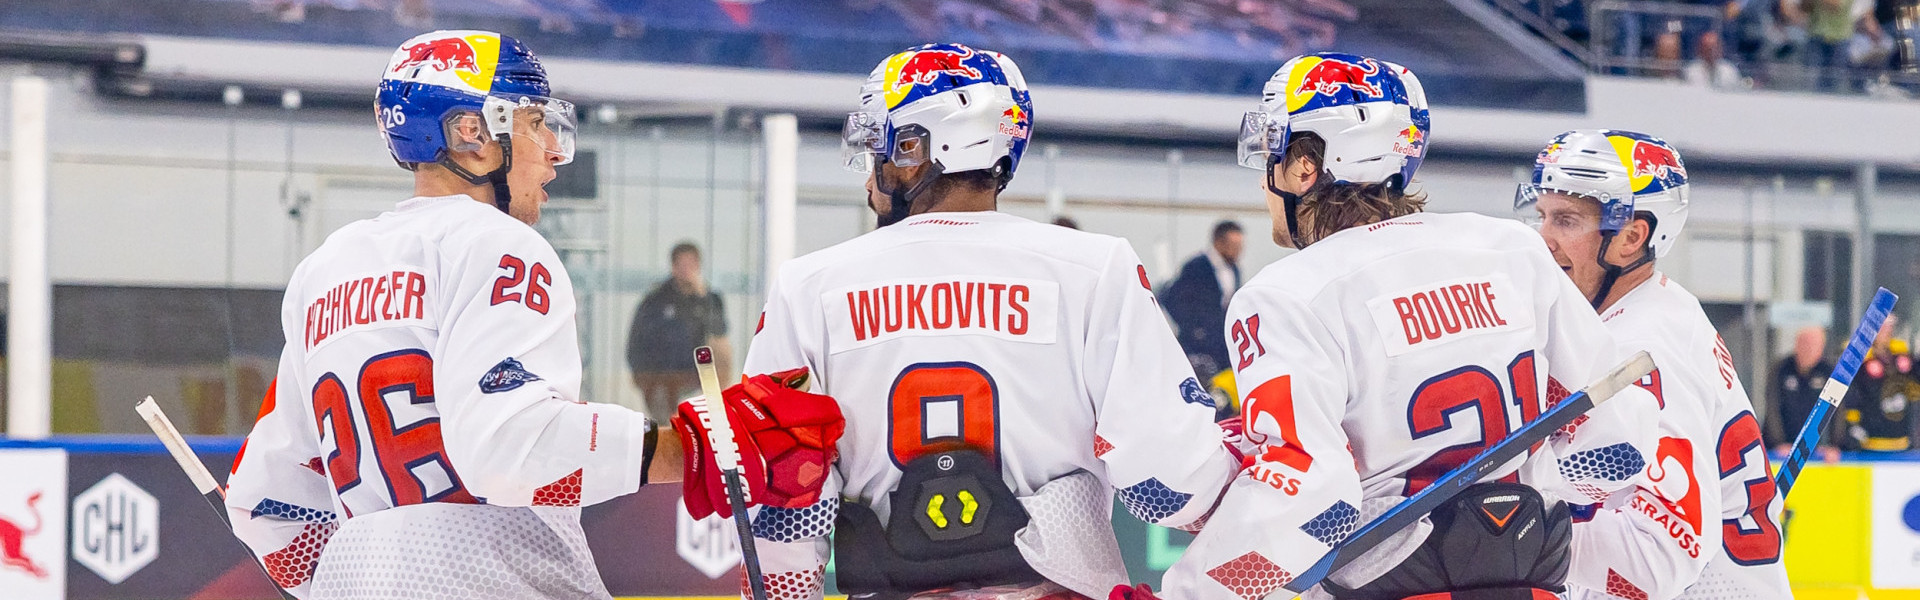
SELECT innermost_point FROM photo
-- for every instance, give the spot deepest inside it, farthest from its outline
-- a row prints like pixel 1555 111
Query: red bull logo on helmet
pixel 1655 160
pixel 445 54
pixel 1412 141
pixel 1649 162
pixel 924 67
pixel 1017 122
pixel 1325 75
pixel 461 59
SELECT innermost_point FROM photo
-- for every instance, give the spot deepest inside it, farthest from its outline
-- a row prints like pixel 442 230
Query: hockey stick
pixel 202 478
pixel 1447 486
pixel 1836 388
pixel 727 456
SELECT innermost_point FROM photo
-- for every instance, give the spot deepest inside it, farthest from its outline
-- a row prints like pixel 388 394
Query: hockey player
pixel 1393 347
pixel 427 438
pixel 999 377
pixel 1609 203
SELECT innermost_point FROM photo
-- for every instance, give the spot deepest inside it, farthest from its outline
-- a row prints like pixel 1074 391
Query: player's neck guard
pixel 502 197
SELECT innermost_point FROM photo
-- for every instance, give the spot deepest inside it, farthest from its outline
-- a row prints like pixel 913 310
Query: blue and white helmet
pixel 436 79
pixel 1371 113
pixel 946 104
pixel 1626 172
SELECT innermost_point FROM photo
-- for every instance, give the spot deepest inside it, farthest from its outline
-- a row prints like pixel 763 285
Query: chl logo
pixel 711 545
pixel 13 537
pixel 116 528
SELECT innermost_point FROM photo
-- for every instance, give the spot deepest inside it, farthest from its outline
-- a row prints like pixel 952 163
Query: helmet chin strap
pixel 1290 199
pixel 902 199
pixel 1611 272
pixel 502 197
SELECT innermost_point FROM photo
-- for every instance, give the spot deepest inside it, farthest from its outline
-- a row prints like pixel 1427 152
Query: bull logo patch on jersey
pixel 506 376
pixel 1192 393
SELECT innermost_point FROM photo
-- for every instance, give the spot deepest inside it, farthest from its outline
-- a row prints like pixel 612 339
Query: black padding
pixel 1495 537
pixel 916 552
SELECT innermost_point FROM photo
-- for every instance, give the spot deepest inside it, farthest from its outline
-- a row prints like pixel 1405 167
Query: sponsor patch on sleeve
pixel 506 376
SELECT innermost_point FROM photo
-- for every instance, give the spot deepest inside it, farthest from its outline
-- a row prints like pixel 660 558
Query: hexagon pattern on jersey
pixel 1620 587
pixel 269 507
pixel 1333 524
pixel 790 585
pixel 1251 576
pixel 1612 463
pixel 458 552
pixel 787 525
pixel 1152 501
pixel 563 492
pixel 293 565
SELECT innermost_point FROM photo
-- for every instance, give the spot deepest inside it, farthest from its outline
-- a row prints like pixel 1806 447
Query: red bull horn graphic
pixel 13 538
pixel 1654 160
pixel 445 54
pixel 1411 141
pixel 1016 123
pixel 1330 74
pixel 926 66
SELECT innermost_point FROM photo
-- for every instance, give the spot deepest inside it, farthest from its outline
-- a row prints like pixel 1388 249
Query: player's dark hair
pixel 683 248
pixel 1221 229
pixel 1330 207
pixel 981 180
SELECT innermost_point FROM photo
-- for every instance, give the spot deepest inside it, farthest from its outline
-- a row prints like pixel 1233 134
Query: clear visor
pixel 861 140
pixel 548 123
pixel 1258 134
pixel 1526 201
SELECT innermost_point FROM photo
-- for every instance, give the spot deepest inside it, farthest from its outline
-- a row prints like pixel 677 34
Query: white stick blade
pixel 1622 376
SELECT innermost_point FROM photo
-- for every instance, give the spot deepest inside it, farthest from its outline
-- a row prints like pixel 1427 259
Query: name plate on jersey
pixel 1436 314
pixel 1017 310
pixel 384 299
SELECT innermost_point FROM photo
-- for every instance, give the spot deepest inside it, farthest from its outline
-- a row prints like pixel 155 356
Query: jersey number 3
pixel 1761 545
pixel 399 450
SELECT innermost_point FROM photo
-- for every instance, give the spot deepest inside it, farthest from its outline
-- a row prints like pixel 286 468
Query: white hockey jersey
pixel 1040 345
pixel 430 360
pixel 1705 521
pixel 1374 361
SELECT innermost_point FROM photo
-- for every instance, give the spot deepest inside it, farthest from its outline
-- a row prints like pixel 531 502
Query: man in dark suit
pixel 1197 300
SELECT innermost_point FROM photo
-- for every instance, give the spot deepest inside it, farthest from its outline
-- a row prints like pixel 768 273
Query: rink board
pixel 118 521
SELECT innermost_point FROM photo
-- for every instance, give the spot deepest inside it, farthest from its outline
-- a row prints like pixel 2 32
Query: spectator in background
pixel 673 319
pixel 1067 222
pixel 1197 300
pixel 1710 67
pixel 1879 403
pixel 1831 25
pixel 1795 388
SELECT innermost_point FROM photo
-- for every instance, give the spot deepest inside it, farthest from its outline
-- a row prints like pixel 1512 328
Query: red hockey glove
pixel 1233 432
pixel 786 438
pixel 1138 592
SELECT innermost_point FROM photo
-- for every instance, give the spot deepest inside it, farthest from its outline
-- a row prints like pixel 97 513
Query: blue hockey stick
pixel 1835 389
pixel 1447 486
